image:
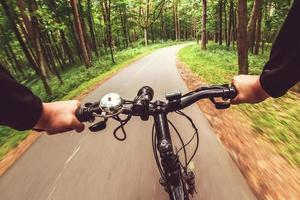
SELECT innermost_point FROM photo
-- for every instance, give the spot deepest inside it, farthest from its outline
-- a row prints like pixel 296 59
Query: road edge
pixel 268 175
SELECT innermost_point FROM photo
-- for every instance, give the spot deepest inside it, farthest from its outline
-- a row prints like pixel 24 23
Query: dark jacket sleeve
pixel 19 107
pixel 282 71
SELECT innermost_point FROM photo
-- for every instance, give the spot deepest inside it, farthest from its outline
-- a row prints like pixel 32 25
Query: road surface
pixel 84 166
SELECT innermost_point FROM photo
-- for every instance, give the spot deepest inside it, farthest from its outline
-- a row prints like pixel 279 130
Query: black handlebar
pixel 142 106
pixel 225 92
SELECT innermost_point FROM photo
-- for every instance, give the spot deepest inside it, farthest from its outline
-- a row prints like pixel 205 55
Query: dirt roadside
pixel 268 174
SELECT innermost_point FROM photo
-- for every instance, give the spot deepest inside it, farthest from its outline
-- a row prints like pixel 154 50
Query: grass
pixel 277 120
pixel 77 79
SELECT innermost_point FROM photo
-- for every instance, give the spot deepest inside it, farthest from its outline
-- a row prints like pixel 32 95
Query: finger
pixel 54 132
pixel 80 129
pixel 78 126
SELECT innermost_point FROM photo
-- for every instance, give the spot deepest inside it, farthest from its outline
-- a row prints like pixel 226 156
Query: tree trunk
pixel 123 19
pixel 220 21
pixel 175 20
pixel 25 19
pixel 79 33
pixel 162 24
pixel 66 47
pixel 265 28
pixel 49 58
pixel 178 25
pixel 230 23
pixel 146 36
pixel 234 27
pixel 36 36
pixel 242 37
pixel 75 38
pixel 106 9
pixel 91 27
pixel 204 16
pixel 14 57
pixel 84 30
pixel 10 60
pixel 252 23
pixel 55 50
pixel 225 23
pixel 258 33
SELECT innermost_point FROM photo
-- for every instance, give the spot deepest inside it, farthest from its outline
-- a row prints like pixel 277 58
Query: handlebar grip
pixel 79 114
pixel 232 92
pixel 84 114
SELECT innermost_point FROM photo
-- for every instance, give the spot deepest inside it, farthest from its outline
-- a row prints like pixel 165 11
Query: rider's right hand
pixel 249 89
pixel 58 117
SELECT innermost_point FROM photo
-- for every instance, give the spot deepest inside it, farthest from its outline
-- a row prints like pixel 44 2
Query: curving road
pixel 87 166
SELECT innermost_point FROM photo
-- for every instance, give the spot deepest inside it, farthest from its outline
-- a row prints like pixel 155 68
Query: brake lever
pixel 209 87
pixel 99 126
pixel 220 105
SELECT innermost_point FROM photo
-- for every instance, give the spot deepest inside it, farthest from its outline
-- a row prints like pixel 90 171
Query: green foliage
pixel 277 120
pixel 220 60
pixel 9 139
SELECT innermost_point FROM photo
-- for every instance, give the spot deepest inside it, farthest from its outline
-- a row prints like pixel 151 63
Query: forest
pixel 41 38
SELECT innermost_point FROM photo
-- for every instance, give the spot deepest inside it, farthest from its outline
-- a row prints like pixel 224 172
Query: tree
pixel 66 47
pixel 91 27
pixel 220 21
pixel 230 24
pixel 204 16
pixel 242 37
pixel 149 12
pixel 80 34
pixel 252 23
pixel 123 15
pixel 36 39
pixel 106 11
pixel 258 33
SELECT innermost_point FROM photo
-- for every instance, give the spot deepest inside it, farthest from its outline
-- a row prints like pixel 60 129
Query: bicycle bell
pixel 111 103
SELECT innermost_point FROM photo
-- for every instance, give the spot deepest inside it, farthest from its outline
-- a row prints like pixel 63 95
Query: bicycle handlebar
pixel 225 92
pixel 143 107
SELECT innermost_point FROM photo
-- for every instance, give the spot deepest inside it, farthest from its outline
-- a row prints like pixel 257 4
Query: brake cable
pixel 196 133
pixel 122 123
pixel 182 143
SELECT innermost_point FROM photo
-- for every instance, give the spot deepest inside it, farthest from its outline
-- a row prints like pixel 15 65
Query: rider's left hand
pixel 58 117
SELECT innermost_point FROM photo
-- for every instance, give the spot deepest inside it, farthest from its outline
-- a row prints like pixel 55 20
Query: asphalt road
pixel 86 166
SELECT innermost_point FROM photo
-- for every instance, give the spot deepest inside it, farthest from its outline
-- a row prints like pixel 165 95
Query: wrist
pixel 43 120
pixel 261 93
